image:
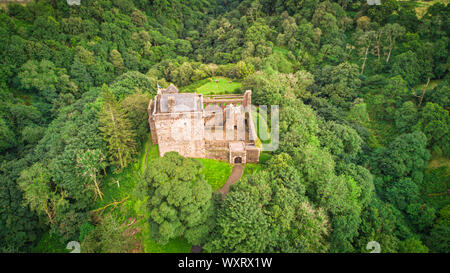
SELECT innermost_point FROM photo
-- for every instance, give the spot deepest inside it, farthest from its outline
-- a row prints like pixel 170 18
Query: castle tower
pixel 247 101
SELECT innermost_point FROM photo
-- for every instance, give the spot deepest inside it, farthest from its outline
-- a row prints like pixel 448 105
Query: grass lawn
pixel 223 86
pixel 216 172
pixel 430 87
pixel 210 86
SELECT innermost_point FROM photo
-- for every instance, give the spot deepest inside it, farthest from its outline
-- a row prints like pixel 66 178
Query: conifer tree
pixel 116 128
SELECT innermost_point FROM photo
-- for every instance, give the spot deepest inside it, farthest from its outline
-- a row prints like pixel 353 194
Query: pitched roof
pixel 171 89
pixel 184 102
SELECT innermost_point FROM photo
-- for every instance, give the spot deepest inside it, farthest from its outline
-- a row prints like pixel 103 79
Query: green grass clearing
pixel 216 172
pixel 211 87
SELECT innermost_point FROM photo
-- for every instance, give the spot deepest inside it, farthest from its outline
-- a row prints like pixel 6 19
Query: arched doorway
pixel 238 160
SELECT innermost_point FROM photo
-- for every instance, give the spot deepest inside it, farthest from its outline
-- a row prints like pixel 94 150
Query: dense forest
pixel 364 101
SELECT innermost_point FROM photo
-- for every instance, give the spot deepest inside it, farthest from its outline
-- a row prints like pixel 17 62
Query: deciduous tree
pixel 179 199
pixel 91 163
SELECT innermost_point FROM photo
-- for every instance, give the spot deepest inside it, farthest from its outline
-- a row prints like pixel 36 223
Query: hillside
pixel 362 152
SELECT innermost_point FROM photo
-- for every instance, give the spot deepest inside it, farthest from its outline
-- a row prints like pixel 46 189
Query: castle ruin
pixel 212 126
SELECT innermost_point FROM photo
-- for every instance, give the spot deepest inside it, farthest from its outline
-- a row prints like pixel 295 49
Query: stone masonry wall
pixel 151 122
pixel 182 133
pixel 252 154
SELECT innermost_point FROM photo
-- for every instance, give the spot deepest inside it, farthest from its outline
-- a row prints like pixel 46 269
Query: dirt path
pixel 235 175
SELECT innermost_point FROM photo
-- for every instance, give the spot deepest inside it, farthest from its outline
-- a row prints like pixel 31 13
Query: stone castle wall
pixel 252 154
pixel 180 132
pixel 151 122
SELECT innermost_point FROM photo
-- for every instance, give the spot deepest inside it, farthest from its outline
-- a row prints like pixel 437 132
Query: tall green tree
pixel 19 226
pixel 109 236
pixel 391 34
pixel 39 194
pixel 135 107
pixel 179 199
pixel 116 129
pixel 439 237
pixel 405 156
pixel 7 137
pixel 91 163
pixel 434 121
pixel 364 41
pixel 413 245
